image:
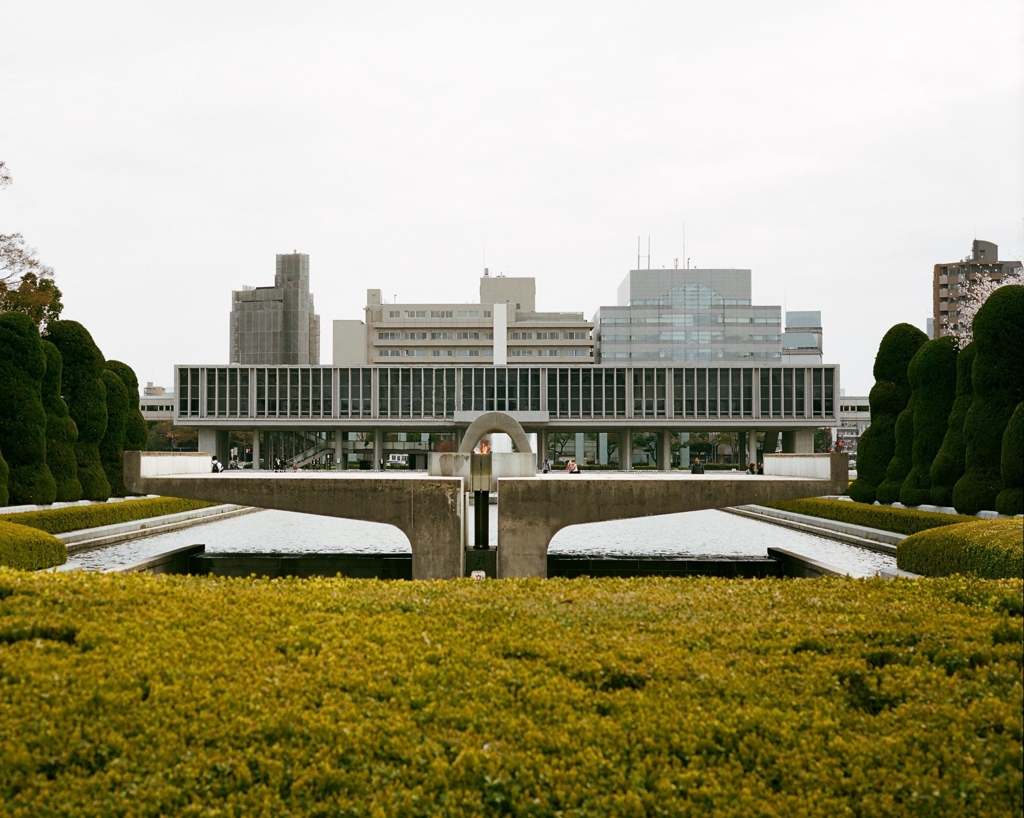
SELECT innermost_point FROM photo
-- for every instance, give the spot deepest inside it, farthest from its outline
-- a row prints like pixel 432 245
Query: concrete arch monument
pixel 495 422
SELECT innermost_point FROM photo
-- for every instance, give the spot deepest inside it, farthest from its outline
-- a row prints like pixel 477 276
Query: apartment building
pixel 504 327
pixel 687 315
pixel 278 324
pixel 949 280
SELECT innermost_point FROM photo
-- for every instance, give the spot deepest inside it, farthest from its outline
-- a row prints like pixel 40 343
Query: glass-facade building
pixel 687 315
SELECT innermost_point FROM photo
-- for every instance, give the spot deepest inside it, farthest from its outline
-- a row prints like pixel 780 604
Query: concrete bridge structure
pixel 431 510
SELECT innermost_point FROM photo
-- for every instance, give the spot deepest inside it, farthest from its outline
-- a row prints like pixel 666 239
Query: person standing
pixel 697 467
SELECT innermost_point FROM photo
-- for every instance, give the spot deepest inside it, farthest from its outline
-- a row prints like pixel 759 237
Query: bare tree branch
pixel 5 175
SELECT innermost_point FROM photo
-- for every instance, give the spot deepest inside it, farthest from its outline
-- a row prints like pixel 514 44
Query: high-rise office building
pixel 503 328
pixel 689 315
pixel 276 325
pixel 949 281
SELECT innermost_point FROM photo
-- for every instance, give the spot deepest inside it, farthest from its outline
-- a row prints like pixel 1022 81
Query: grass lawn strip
pixel 151 695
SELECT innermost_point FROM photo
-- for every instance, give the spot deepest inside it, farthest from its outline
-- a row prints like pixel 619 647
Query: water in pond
pixel 696 533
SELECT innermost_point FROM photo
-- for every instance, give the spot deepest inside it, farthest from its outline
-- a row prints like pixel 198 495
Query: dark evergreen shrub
pixel 136 433
pixel 86 396
pixel 902 456
pixel 949 462
pixel 61 432
pixel 1011 499
pixel 932 374
pixel 22 417
pixel 112 445
pixel 4 471
pixel 998 379
pixel 889 396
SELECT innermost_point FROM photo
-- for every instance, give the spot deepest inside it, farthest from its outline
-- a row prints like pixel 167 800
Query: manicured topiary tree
pixel 136 433
pixel 61 432
pixel 112 445
pixel 932 374
pixel 22 417
pixel 4 471
pixel 86 396
pixel 889 396
pixel 998 379
pixel 1011 499
pixel 902 455
pixel 948 466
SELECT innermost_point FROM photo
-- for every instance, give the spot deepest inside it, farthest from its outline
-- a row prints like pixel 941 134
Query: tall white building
pixel 503 327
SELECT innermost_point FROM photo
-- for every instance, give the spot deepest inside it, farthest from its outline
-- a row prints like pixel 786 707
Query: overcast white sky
pixel 163 153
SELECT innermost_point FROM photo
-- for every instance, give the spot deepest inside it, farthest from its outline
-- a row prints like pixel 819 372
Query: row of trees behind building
pixel 947 424
pixel 66 414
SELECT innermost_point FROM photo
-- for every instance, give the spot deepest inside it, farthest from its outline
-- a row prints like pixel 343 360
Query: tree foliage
pixel 86 397
pixel 998 380
pixel 888 398
pixel 26 284
pixel 4 474
pixel 112 445
pixel 932 374
pixel 22 417
pixel 948 466
pixel 1011 499
pixel 61 432
pixel 136 435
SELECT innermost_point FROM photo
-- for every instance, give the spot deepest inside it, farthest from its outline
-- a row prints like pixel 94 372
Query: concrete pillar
pixel 789 442
pixel 542 446
pixel 771 441
pixel 751 447
pixel 339 450
pixel 378 448
pixel 804 441
pixel 684 451
pixel 255 449
pixel 626 449
pixel 578 447
pixel 665 450
pixel 602 448
pixel 207 440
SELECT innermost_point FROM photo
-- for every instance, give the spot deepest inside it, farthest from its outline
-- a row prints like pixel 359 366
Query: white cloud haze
pixel 163 153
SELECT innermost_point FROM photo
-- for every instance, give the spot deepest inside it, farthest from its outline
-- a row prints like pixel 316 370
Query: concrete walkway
pixel 87 538
pixel 874 539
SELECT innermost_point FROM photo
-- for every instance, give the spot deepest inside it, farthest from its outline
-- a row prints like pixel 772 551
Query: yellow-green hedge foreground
pixel 986 548
pixel 75 518
pixel 29 548
pixel 142 696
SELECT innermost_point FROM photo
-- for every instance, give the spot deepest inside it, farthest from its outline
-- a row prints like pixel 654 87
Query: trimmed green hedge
pixel 112 445
pixel 61 432
pixel 889 396
pixel 948 466
pixel 136 434
pixel 993 549
pixel 29 548
pixel 4 472
pixel 143 695
pixel 22 417
pixel 1011 499
pixel 75 518
pixel 902 455
pixel 998 380
pixel 932 374
pixel 886 518
pixel 83 389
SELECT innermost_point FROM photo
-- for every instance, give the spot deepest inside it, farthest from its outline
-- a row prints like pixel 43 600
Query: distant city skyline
pixel 162 157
